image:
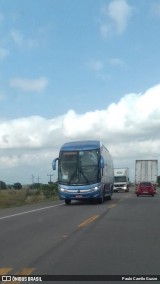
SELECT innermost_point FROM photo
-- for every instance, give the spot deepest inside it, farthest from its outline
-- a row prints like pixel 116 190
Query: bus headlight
pixel 96 188
pixel 62 189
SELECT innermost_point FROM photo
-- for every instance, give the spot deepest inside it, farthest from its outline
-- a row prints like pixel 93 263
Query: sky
pixel 77 70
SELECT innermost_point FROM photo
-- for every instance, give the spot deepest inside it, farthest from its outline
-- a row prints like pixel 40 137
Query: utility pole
pixel 33 178
pixel 50 180
pixel 38 178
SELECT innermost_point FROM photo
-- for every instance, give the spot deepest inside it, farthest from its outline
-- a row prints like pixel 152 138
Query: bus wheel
pixel 101 199
pixel 109 197
pixel 67 201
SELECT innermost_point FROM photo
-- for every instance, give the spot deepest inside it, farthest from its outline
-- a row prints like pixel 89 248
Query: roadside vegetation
pixel 18 195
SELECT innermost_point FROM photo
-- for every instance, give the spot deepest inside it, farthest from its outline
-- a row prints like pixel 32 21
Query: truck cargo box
pixel 146 170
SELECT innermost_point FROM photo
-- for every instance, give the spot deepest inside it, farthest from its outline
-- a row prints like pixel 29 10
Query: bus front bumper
pixel 81 194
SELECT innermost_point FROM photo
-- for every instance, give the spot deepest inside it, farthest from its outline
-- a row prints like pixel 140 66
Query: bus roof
pixel 81 145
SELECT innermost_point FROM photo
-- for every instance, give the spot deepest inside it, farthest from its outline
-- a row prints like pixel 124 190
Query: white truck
pixel 146 170
pixel 121 179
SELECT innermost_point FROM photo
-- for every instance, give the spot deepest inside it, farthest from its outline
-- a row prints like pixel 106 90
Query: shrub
pixel 17 185
pixel 3 185
pixel 49 190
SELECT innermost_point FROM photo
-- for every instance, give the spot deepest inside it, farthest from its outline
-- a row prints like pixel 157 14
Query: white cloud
pixel 117 13
pixel 20 40
pixel 156 9
pixel 29 85
pixel 98 67
pixel 2 96
pixel 95 64
pixel 116 62
pixel 3 53
pixel 1 17
pixel 17 37
pixel 104 29
pixel 128 128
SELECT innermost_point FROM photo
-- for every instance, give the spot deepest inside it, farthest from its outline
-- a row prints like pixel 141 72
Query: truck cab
pixel 121 180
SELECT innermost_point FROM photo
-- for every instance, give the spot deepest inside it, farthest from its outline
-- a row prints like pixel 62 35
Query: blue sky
pixel 68 65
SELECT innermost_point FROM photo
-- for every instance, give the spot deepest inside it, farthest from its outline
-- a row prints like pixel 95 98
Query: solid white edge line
pixel 30 211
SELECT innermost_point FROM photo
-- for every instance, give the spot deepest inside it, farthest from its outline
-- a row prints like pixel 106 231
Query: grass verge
pixel 14 198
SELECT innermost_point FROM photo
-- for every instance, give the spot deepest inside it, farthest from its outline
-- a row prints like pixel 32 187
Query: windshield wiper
pixel 72 176
pixel 81 172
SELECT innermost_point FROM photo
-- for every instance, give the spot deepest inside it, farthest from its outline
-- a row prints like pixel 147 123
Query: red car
pixel 145 188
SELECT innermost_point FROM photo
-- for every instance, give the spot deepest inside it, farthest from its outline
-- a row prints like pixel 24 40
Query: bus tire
pixel 101 199
pixel 109 197
pixel 67 201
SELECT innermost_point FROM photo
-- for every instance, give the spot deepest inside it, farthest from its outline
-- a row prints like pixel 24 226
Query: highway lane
pixel 120 236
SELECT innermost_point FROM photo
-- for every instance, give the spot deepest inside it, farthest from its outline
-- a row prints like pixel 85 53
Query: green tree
pixel 17 185
pixel 3 185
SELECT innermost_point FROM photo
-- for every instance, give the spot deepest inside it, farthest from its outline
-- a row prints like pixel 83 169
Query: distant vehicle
pixel 121 179
pixel 158 180
pixel 146 170
pixel 145 188
pixel 85 171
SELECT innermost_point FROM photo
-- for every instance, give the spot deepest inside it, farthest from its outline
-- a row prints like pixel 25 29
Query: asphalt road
pixel 119 237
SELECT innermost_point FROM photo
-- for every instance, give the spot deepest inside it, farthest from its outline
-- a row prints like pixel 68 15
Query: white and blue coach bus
pixel 85 171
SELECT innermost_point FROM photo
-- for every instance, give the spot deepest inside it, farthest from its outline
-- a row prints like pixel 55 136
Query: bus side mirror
pixel 54 164
pixel 102 163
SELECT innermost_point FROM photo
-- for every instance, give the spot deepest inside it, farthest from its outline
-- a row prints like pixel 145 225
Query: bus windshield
pixel 79 167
